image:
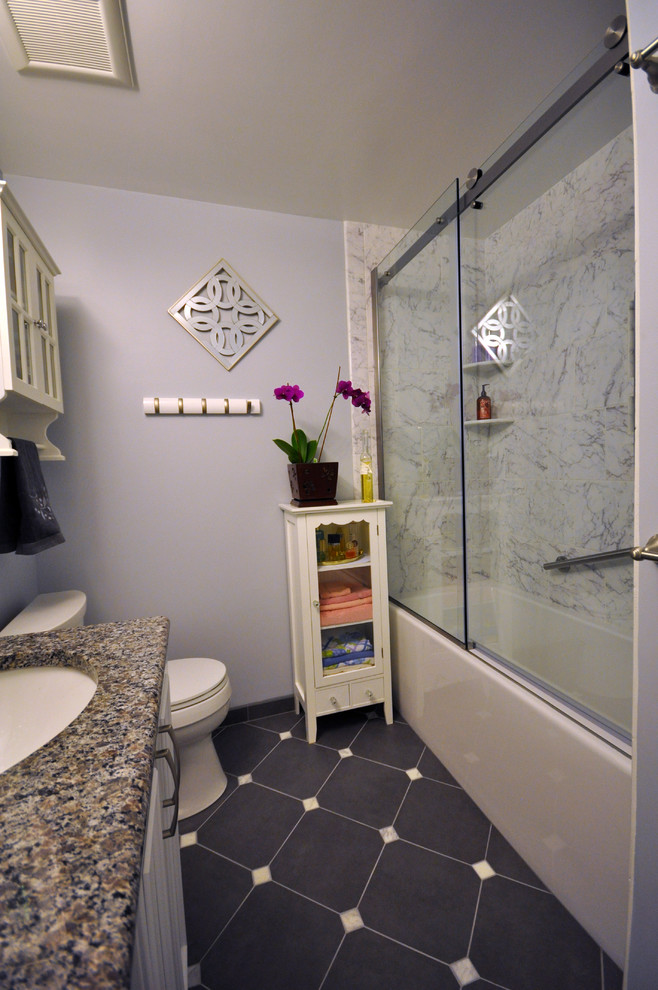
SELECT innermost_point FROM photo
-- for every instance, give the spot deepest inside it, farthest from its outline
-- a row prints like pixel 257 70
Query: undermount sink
pixel 36 703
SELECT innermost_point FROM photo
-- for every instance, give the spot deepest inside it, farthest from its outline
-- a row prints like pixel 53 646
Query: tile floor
pixel 360 864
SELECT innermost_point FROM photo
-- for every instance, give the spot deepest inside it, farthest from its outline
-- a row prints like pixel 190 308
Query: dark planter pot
pixel 313 484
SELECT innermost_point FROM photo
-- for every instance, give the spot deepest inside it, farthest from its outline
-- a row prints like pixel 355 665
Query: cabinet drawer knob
pixel 369 694
pixel 316 604
pixel 333 700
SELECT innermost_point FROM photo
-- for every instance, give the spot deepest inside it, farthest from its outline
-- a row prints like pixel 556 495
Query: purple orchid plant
pixel 301 450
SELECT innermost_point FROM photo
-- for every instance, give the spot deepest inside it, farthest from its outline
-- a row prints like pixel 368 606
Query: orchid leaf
pixel 292 454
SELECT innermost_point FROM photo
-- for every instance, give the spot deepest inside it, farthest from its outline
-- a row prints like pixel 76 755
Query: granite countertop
pixel 73 814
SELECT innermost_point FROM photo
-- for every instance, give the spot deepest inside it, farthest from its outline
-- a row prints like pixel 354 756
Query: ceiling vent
pixel 81 39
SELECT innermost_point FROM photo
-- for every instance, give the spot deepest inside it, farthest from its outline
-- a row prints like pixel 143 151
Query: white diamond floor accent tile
pixel 483 870
pixel 246 778
pixel 414 773
pixel 189 839
pixel 371 715
pixel 261 875
pixel 388 834
pixel 344 753
pixel 194 975
pixel 285 735
pixel 352 920
pixel 464 972
pixel 310 804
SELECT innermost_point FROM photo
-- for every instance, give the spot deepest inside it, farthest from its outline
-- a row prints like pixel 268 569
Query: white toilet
pixel 200 695
pixel 55 610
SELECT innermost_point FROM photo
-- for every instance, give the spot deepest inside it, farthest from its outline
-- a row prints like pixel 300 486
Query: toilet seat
pixel 193 680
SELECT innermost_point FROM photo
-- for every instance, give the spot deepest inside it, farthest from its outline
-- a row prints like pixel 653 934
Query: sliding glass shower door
pixel 525 297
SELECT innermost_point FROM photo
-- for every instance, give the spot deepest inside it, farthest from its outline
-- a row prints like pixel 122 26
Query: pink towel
pixel 358 612
pixel 346 600
pixel 334 589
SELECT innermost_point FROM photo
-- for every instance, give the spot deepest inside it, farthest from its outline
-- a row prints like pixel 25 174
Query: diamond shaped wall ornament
pixel 503 331
pixel 224 314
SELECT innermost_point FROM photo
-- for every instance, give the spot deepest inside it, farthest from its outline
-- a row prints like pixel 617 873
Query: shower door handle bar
pixel 648 552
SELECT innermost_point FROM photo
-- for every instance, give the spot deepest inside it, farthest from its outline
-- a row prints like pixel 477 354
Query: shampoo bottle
pixel 484 404
pixel 367 480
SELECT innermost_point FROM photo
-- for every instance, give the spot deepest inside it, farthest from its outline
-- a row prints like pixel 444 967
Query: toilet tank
pixel 55 610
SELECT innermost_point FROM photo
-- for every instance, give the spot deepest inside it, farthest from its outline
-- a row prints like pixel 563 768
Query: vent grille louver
pixel 80 38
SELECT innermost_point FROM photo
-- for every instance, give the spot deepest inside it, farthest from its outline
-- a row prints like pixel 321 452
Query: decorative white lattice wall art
pixel 224 314
pixel 503 332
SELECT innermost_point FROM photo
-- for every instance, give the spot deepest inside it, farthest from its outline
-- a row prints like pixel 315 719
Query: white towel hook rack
pixel 181 406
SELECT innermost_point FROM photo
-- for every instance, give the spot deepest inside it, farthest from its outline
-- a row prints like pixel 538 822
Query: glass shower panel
pixel 547 304
pixel 420 404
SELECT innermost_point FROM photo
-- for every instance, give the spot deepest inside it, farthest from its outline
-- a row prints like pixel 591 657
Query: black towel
pixel 27 521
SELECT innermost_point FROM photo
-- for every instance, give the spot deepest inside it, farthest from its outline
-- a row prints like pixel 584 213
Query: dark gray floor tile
pixel 544 946
pixel 336 731
pixel 613 976
pixel 252 825
pixel 296 768
pixel 213 889
pixel 284 722
pixel 396 745
pixel 431 767
pixel 444 819
pixel 504 859
pixel 367 961
pixel 278 940
pixel 423 900
pixel 328 858
pixel 241 747
pixel 195 822
pixel 366 791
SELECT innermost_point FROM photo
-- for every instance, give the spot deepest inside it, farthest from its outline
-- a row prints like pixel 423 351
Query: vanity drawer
pixel 367 692
pixel 333 699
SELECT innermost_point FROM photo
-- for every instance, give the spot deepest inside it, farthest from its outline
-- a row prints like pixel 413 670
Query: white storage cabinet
pixel 30 379
pixel 358 531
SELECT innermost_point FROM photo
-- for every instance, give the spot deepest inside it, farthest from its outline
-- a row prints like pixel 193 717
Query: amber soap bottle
pixel 484 404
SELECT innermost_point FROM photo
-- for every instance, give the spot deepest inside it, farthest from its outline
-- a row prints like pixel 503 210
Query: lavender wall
pixel 179 515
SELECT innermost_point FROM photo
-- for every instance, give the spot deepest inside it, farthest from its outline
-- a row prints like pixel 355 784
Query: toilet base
pixel 202 780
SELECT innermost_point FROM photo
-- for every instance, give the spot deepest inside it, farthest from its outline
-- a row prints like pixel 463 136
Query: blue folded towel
pixel 27 521
pixel 346 642
pixel 348 659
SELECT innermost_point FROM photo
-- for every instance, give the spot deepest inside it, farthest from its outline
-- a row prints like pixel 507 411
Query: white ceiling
pixel 341 109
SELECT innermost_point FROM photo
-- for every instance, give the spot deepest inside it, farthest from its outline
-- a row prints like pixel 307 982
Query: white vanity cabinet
pixel 30 378
pixel 160 950
pixel 338 598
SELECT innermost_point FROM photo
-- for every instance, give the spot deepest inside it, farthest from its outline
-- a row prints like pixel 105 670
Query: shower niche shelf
pixel 494 421
pixel 338 599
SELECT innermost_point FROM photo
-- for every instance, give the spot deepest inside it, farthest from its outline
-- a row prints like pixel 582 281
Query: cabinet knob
pixel 316 604
pixel 333 700
pixel 369 694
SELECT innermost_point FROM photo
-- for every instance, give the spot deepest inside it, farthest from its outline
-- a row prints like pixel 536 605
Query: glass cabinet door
pixel 346 608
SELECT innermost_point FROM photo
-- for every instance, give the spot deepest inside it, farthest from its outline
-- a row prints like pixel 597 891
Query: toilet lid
pixel 193 679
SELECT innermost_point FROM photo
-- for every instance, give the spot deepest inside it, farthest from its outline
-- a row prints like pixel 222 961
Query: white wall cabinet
pixel 160 951
pixel 30 378
pixel 338 597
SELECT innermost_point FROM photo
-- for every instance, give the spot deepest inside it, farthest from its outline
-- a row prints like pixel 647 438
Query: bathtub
pixel 557 791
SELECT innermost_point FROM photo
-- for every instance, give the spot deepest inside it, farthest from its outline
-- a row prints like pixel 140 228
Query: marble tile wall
pixel 559 478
